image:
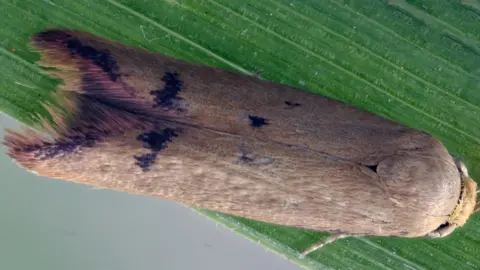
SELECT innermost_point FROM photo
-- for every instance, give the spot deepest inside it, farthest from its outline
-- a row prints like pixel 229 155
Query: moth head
pixel 466 205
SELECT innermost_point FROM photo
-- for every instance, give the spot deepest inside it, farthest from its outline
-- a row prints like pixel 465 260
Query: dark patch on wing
pixel 146 161
pixel 291 105
pixel 372 167
pixel 252 159
pixel 100 58
pixel 156 142
pixel 167 97
pixel 52 36
pixel 68 145
pixel 256 121
pixel 244 158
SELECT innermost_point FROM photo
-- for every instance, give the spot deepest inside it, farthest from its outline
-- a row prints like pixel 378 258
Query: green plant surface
pixel 415 62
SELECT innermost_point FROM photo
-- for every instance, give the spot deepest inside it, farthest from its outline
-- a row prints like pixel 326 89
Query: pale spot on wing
pixel 396 202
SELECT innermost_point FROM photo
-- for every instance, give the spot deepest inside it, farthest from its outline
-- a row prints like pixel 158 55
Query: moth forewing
pixel 148 124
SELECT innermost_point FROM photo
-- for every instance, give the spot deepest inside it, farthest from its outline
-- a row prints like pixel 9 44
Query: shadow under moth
pixel 144 123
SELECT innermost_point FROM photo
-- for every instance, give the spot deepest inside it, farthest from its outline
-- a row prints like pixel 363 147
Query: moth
pixel 144 123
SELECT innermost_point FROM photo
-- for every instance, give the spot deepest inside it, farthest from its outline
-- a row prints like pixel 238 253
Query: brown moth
pixel 144 123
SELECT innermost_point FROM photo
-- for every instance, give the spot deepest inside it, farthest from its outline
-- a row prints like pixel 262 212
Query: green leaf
pixel 416 62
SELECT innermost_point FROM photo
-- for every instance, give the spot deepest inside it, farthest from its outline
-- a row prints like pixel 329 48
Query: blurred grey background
pixel 51 224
